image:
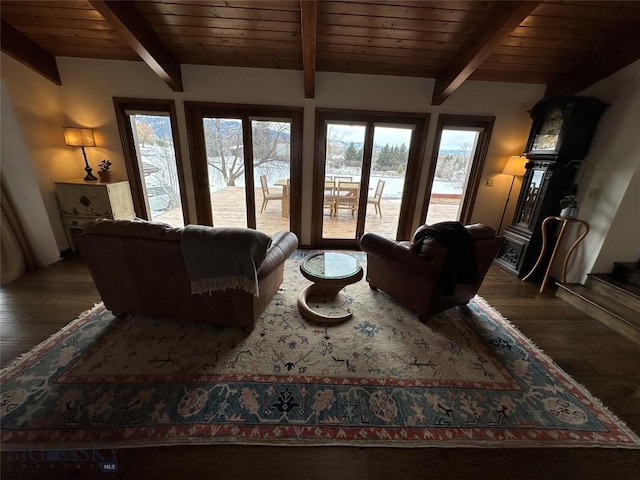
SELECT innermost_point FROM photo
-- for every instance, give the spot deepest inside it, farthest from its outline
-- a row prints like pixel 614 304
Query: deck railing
pixel 229 211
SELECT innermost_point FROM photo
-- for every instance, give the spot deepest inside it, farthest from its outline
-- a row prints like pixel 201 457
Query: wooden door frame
pixel 420 122
pixel 121 105
pixel 195 111
pixel 477 165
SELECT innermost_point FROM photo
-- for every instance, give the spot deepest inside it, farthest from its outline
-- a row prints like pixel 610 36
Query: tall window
pixel 456 165
pixel 156 156
pixel 152 157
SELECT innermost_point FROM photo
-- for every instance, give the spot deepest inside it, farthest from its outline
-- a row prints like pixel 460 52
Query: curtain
pixel 16 258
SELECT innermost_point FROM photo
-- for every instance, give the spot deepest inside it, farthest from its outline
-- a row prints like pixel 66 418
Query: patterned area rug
pixel 468 378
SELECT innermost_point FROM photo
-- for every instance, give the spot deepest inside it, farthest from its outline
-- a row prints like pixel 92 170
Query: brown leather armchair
pixel 414 276
pixel 138 268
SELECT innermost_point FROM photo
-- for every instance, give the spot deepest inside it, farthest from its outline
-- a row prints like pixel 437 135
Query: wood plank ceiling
pixel 565 45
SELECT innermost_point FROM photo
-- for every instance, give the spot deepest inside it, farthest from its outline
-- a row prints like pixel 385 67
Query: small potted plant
pixel 569 204
pixel 104 173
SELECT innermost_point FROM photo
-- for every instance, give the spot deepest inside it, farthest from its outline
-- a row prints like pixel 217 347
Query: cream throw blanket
pixel 219 259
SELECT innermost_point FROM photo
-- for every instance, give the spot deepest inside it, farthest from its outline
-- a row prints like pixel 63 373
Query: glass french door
pixel 366 175
pixel 152 157
pixel 456 164
pixel 246 166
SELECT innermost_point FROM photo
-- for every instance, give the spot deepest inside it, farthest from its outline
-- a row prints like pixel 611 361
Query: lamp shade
pixel 79 137
pixel 515 166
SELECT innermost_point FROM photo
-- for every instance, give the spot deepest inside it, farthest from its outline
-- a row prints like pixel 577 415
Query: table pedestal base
pixel 332 294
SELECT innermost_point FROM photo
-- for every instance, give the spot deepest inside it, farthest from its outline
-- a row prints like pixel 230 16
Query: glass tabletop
pixel 330 265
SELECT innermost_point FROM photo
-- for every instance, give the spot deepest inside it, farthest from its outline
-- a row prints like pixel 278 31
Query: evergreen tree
pixel 352 155
pixel 385 160
pixel 402 155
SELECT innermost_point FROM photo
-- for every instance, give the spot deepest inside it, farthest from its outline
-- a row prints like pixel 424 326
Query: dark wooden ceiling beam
pixel 29 53
pixel 598 66
pixel 502 21
pixel 126 19
pixel 309 22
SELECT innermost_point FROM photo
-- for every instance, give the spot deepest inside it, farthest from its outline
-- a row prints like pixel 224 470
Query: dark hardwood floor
pixel 608 364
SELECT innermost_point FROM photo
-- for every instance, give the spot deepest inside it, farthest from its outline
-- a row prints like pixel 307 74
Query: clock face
pixel 549 135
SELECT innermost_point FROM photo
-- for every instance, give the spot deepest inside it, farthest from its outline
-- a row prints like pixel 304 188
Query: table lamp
pixel 81 137
pixel 515 168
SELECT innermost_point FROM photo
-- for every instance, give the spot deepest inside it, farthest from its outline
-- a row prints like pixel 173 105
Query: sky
pixel 451 139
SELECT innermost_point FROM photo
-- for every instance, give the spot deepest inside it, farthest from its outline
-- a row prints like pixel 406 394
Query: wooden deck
pixel 229 209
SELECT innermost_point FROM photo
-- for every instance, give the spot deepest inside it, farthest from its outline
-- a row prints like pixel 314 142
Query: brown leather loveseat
pixel 419 275
pixel 138 268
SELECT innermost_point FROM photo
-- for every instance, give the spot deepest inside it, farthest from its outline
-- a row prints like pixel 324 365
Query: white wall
pixel 89 85
pixel 25 161
pixel 609 190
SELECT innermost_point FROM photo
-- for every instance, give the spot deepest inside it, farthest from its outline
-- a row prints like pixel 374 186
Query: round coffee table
pixel 330 272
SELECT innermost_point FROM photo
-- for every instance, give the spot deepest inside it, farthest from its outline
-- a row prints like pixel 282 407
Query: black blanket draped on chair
pixel 460 264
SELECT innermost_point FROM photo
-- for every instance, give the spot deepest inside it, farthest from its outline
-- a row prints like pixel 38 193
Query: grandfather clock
pixel 558 142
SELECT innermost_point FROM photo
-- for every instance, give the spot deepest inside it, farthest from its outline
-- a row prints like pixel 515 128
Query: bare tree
pixel 454 167
pixel 271 147
pixel 157 151
pixel 223 140
pixel 335 146
pixel 144 131
pixel 225 146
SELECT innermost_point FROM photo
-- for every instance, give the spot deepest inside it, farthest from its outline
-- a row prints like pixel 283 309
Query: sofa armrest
pixel 480 231
pixel 283 244
pixel 400 254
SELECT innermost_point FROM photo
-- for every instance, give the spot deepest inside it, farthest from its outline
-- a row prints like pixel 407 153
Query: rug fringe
pixel 301 443
pixel 6 372
pixel 542 355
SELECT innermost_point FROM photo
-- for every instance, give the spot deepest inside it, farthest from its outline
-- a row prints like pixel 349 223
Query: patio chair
pixel 347 196
pixel 377 196
pixel 343 179
pixel 337 180
pixel 266 195
pixel 288 196
pixel 330 195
